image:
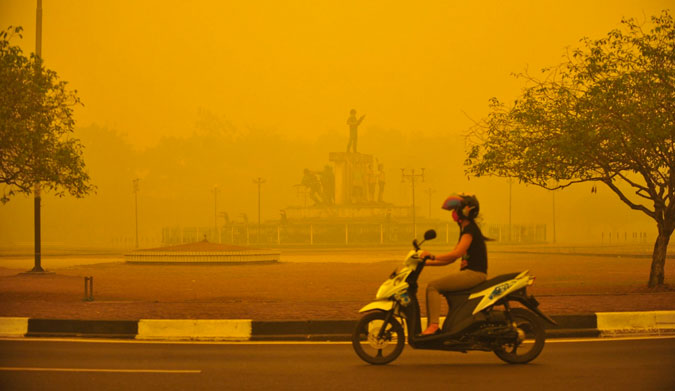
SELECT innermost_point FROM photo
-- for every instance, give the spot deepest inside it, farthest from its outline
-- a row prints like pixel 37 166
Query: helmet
pixel 466 205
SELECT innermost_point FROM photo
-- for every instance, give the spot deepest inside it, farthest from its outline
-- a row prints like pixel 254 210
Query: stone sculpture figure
pixel 353 123
pixel 311 182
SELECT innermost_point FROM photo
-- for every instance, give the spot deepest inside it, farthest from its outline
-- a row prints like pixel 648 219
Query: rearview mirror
pixel 430 234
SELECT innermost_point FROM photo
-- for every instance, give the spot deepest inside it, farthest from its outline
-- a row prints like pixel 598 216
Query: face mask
pixel 455 216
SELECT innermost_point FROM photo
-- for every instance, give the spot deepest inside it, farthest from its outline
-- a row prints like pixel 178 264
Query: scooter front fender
pixel 382 305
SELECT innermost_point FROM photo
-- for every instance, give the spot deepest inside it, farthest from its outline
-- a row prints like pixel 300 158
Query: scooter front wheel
pixel 377 342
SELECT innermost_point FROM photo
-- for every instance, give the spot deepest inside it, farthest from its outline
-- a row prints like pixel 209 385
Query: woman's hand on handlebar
pixel 431 260
pixel 424 255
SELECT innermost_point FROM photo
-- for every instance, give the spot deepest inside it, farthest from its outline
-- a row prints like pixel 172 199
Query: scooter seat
pixel 483 285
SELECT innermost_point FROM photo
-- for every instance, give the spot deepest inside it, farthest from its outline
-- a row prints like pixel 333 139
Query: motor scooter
pixel 481 318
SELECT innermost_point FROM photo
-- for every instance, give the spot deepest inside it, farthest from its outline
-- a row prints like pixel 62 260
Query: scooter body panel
pixel 493 294
pixel 460 315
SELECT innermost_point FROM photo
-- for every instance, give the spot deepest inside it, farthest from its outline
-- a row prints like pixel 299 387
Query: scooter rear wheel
pixel 530 341
pixel 378 343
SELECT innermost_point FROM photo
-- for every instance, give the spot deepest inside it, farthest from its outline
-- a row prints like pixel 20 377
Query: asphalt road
pixel 635 364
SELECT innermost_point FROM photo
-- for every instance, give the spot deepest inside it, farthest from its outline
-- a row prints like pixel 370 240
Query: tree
pixel 36 119
pixel 605 114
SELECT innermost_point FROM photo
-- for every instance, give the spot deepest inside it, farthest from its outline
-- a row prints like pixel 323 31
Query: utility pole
pixel 136 190
pixel 413 176
pixel 259 182
pixel 37 267
pixel 430 191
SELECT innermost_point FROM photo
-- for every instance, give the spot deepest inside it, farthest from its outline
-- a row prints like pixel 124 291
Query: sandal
pixel 432 329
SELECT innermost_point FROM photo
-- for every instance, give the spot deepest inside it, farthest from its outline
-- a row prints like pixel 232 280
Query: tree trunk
pixel 656 276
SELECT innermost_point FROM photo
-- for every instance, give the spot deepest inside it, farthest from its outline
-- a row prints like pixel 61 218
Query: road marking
pixel 27 369
pixel 610 339
pixel 168 342
pixel 131 341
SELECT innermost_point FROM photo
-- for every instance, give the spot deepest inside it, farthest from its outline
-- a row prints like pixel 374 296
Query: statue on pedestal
pixel 353 129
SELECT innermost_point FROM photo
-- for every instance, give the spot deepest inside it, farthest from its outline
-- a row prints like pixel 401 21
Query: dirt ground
pixel 307 284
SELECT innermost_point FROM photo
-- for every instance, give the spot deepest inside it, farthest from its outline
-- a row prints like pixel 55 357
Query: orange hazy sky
pixel 289 72
pixel 146 68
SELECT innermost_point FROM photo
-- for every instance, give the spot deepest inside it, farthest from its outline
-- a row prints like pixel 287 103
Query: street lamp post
pixel 215 213
pixel 37 267
pixel 430 191
pixel 259 182
pixel 413 176
pixel 136 189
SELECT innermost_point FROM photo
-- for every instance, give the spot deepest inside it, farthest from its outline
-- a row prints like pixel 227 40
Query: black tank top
pixel 476 255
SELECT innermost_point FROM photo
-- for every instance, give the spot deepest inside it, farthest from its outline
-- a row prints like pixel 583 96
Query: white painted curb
pixel 616 322
pixel 13 327
pixel 194 329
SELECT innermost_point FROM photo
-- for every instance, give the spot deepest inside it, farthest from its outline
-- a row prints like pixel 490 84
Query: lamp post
pixel 215 213
pixel 412 177
pixel 259 182
pixel 37 267
pixel 430 191
pixel 136 190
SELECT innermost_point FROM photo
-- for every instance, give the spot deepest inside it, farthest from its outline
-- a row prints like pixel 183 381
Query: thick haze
pixel 188 96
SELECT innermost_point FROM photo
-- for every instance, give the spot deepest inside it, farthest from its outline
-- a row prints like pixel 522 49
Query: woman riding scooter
pixel 470 247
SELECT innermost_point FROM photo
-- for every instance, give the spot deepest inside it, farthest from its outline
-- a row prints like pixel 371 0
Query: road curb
pixel 13 327
pixel 303 330
pixel 617 323
pixel 81 328
pixel 602 324
pixel 194 329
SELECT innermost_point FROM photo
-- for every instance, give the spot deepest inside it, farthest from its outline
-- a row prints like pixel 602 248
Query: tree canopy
pixel 36 122
pixel 605 114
